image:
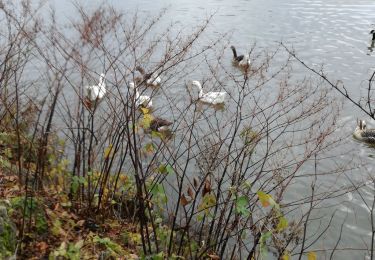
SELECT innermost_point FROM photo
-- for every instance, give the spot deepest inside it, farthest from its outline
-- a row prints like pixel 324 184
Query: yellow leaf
pixel 311 256
pixel 264 198
pixel 146 122
pixel 285 256
pixel 149 148
pixel 145 110
pixel 107 151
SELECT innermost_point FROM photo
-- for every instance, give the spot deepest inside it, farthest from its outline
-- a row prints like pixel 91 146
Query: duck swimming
pixel 95 93
pixel 240 60
pixel 213 98
pixel 363 134
pixel 152 79
pixel 140 100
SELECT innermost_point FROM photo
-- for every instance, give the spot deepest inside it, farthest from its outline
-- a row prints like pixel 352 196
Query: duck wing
pixel 239 58
pixel 156 123
pixel 369 135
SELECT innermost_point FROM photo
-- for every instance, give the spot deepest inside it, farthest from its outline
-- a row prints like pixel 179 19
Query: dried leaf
pixel 183 200
pixel 80 223
pixel 42 246
pixel 206 187
pixel 195 181
pixel 214 257
pixel 191 193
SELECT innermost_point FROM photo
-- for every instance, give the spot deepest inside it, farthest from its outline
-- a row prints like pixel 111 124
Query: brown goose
pixel 158 124
pixel 152 79
pixel 240 60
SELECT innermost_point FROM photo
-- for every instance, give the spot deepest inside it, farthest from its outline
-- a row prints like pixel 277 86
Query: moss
pixel 7 234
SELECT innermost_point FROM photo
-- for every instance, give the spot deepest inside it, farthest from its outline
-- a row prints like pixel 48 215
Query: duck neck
pixel 101 80
pixel 200 93
pixel 141 70
pixel 234 52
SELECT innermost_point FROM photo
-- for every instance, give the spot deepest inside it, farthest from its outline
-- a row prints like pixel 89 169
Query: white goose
pixel 140 100
pixel 241 60
pixel 95 93
pixel 151 79
pixel 213 98
pixel 361 133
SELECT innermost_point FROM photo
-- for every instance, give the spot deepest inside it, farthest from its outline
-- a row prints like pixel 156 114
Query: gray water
pixel 334 33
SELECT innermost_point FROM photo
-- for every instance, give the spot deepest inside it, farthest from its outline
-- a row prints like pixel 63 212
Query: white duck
pixel 213 98
pixel 361 133
pixel 152 79
pixel 95 93
pixel 241 60
pixel 140 100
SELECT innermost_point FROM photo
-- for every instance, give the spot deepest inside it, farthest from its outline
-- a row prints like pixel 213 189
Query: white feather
pixel 96 92
pixel 154 80
pixel 140 100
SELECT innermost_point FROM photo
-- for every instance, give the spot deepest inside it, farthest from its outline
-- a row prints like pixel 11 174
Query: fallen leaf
pixel 214 257
pixel 80 222
pixel 42 246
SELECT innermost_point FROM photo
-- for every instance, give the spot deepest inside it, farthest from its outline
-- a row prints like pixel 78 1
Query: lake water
pixel 334 33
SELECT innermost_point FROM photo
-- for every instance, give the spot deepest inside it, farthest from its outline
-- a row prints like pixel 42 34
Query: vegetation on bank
pixel 88 181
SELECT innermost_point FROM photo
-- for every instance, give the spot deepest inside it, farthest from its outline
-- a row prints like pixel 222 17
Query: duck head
pixel 197 84
pixel 361 124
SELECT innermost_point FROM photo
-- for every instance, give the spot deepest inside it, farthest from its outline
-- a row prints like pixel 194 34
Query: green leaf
pixel 263 243
pixel 159 256
pixel 165 169
pixel 159 192
pixel 169 169
pixel 209 200
pixel 75 184
pixel 283 224
pixel 241 206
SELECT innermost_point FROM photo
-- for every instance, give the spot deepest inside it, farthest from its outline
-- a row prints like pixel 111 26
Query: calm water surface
pixel 331 32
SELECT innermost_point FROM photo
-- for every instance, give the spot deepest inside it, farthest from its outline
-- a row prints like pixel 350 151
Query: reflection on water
pixel 371 47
